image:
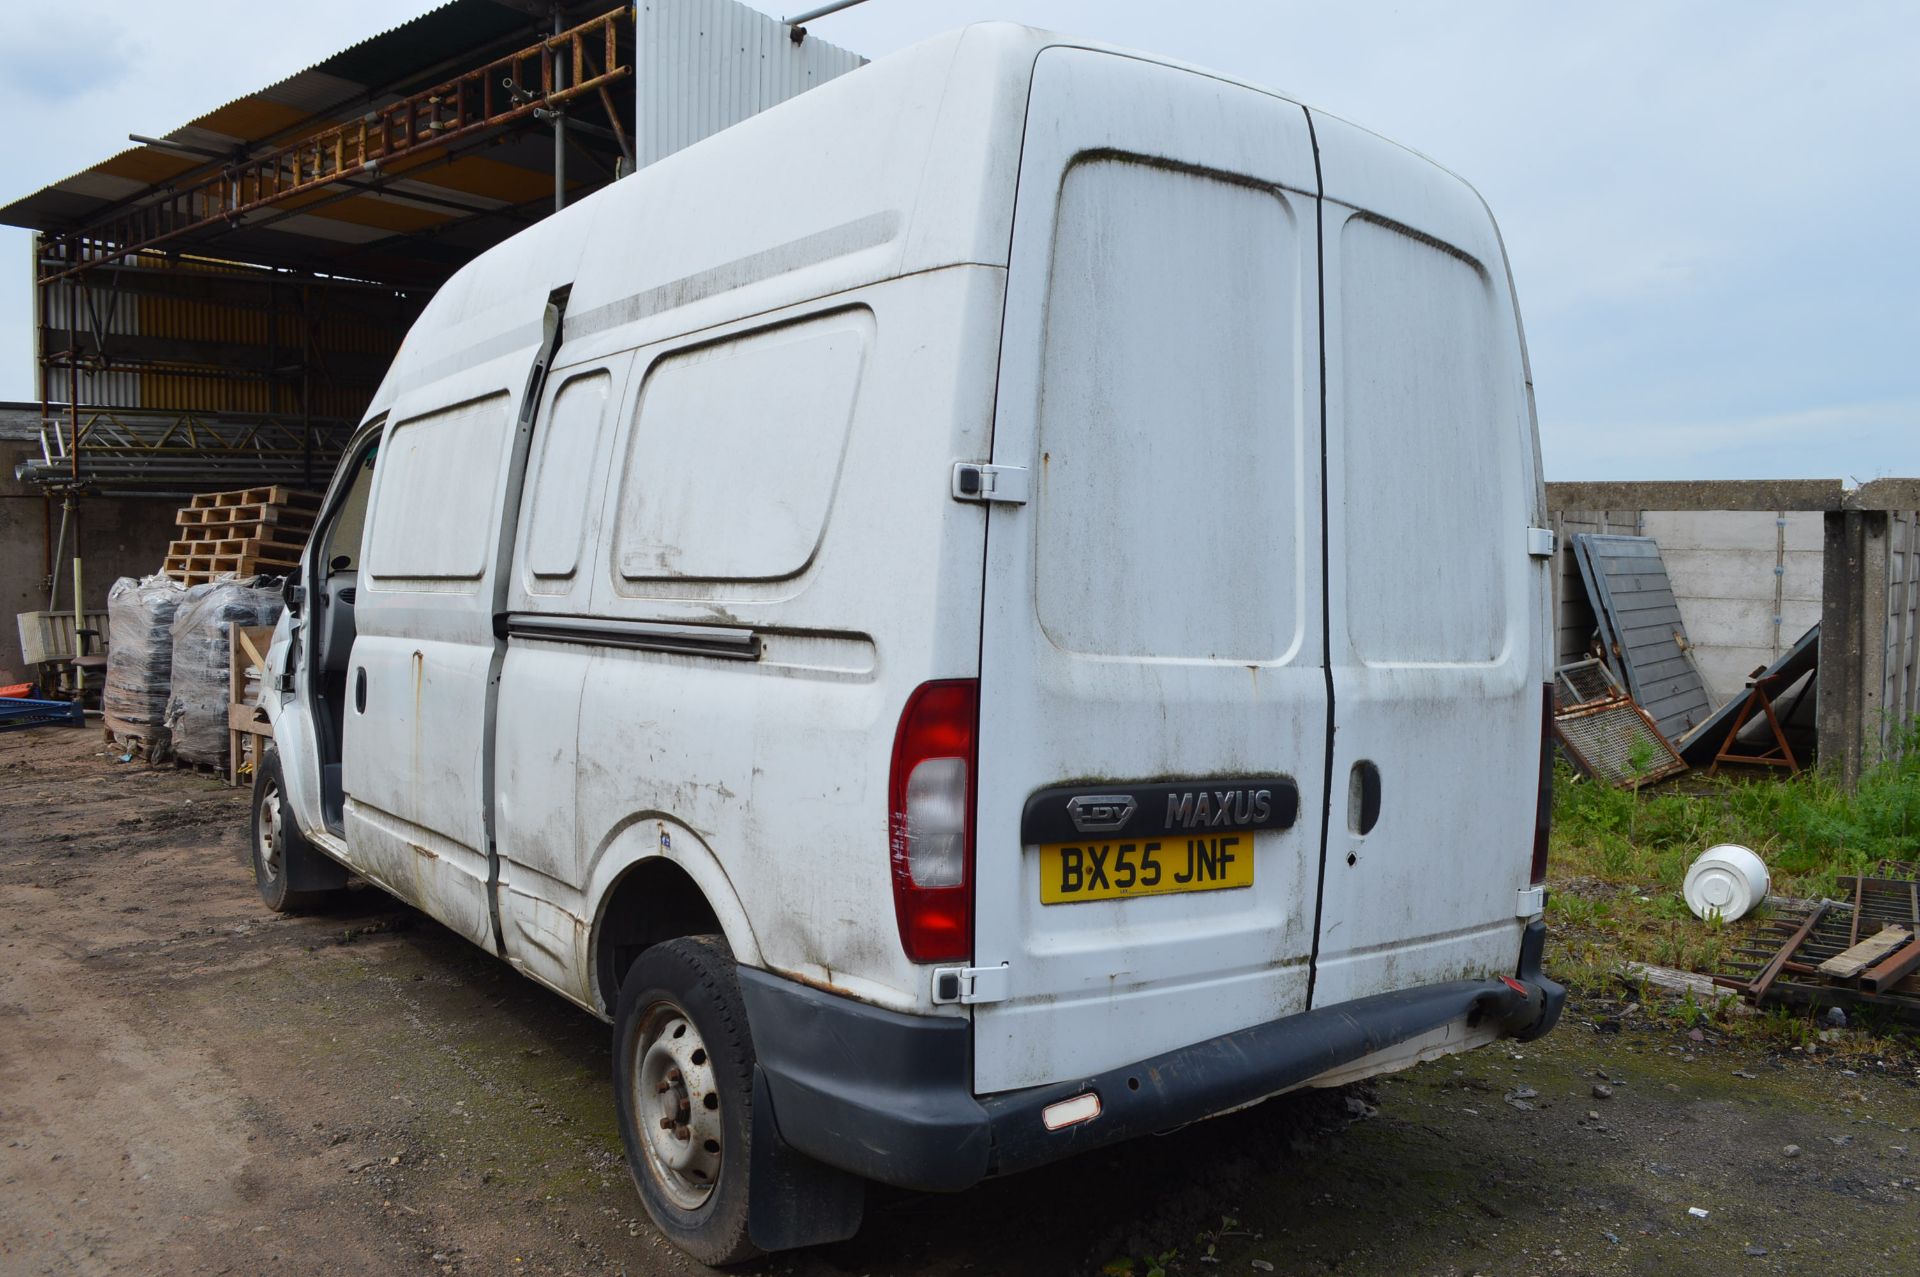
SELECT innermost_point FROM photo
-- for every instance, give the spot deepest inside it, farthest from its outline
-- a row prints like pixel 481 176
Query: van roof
pixel 906 164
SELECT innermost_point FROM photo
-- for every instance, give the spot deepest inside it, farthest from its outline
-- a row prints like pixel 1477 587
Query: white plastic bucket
pixel 1728 880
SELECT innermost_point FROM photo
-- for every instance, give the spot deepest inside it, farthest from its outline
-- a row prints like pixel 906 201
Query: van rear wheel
pixel 683 1085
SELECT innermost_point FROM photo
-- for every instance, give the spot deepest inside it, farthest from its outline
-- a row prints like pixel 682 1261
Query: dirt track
pixel 190 1084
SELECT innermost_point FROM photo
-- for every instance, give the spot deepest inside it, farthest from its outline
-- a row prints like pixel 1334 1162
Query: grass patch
pixel 1619 856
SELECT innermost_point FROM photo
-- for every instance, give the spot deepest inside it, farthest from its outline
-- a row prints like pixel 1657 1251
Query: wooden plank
pixel 248 718
pixel 1705 989
pixel 265 548
pixel 1866 953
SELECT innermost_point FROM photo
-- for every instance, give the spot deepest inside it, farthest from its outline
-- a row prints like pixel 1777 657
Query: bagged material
pixel 197 707
pixel 140 653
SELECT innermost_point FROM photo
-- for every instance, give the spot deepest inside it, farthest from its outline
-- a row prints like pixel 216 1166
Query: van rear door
pixel 1153 700
pixel 1436 605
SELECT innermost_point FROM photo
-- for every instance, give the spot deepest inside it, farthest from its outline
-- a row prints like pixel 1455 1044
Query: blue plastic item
pixel 18 713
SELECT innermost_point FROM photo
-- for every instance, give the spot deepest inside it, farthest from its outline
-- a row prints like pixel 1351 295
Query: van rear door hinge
pixel 1540 542
pixel 974 481
pixel 968 985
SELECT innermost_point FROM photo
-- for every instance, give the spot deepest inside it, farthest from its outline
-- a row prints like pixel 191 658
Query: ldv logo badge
pixel 1101 813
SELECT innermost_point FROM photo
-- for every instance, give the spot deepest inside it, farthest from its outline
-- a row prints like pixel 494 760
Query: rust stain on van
pixel 825 985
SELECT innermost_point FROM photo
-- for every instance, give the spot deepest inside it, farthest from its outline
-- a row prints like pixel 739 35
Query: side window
pixel 433 517
pixel 347 532
pixel 562 480
pixel 735 452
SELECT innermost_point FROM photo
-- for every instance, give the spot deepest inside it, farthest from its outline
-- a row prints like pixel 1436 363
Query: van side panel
pixel 1434 605
pixel 782 478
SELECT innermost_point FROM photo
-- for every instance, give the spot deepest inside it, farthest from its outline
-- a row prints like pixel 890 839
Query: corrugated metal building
pixel 215 306
pixel 263 261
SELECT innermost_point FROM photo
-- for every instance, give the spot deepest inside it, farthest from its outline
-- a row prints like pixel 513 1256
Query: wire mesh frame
pixel 1602 738
pixel 1584 683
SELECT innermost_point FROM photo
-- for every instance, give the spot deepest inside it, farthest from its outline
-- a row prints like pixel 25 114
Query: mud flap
pixel 314 871
pixel 792 1200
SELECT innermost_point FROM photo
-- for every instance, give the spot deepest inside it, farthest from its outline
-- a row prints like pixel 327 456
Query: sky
pixel 1710 208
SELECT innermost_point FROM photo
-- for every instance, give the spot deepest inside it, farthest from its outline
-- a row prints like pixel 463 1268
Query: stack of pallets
pixel 254 530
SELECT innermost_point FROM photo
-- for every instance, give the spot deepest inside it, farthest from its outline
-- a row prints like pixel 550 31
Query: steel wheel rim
pixel 268 847
pixel 676 1106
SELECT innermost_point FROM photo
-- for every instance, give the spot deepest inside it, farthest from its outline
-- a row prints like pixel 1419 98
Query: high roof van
pixel 993 608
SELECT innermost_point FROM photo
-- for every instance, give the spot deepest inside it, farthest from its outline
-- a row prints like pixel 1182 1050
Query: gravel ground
pixel 190 1084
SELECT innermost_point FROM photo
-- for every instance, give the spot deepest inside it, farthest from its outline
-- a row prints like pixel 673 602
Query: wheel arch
pixel 658 880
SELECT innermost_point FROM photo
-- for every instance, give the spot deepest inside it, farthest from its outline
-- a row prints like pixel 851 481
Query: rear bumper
pixel 889 1096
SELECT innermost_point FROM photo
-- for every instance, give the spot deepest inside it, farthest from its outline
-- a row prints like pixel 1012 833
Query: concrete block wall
pixel 1748 583
pixel 1741 552
pixel 1901 698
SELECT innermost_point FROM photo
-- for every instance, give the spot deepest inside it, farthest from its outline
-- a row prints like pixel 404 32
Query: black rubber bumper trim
pixel 884 1095
pixel 889 1096
pixel 1533 948
pixel 1241 1068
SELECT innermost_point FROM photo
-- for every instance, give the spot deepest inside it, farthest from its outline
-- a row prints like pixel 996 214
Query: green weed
pixel 1618 859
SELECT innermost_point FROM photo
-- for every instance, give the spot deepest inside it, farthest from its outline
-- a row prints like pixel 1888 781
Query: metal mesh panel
pixel 1582 683
pixel 1604 739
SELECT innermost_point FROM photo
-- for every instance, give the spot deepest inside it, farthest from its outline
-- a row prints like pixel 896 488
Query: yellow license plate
pixel 1107 870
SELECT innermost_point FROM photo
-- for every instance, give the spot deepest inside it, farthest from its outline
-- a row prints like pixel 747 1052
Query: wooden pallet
pixel 247 532
pixel 201 571
pixel 255 547
pixel 204 522
pixel 248 730
pixel 275 495
pixel 136 738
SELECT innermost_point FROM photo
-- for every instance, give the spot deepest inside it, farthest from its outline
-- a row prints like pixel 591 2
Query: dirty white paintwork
pixel 1155 611
pixel 1438 616
pixel 776 345
pixel 412 757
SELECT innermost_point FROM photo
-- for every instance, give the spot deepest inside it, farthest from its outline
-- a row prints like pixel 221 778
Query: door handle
pixel 360 690
pixel 1363 797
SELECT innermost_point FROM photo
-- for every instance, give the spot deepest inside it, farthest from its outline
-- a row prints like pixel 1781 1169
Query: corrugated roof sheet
pixel 446 209
pixel 754 64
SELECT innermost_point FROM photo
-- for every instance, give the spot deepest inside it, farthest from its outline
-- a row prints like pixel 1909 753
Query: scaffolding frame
pixel 485 98
pixel 141 246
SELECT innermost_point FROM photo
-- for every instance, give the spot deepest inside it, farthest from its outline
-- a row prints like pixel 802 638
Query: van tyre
pixel 683 1086
pixel 280 853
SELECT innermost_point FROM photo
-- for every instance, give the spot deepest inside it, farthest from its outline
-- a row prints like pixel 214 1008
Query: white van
pixel 996 607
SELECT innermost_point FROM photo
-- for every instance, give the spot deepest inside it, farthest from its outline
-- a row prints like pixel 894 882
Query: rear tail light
pixel 1543 804
pixel 930 820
